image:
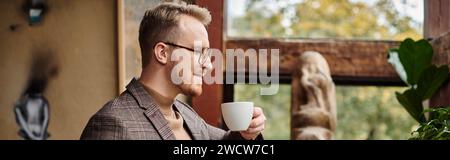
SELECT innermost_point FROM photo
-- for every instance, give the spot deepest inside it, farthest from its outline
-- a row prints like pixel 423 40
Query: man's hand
pixel 256 125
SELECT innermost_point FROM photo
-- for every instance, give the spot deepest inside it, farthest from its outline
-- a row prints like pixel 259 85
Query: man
pixel 148 108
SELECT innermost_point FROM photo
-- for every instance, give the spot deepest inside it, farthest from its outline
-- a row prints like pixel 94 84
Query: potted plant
pixel 412 61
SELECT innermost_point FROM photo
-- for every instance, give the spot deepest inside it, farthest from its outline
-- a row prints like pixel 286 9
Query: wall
pixel 82 34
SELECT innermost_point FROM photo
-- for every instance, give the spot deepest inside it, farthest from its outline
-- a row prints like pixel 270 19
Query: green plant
pixel 412 61
pixel 437 128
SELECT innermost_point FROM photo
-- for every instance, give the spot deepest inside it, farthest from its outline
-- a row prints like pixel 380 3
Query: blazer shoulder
pixel 117 110
pixel 124 100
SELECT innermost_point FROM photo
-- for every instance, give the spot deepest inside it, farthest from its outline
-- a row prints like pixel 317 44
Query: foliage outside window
pixel 343 19
pixel 276 108
pixel 371 113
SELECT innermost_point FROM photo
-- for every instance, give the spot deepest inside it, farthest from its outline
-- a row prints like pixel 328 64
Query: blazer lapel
pixel 151 110
pixel 190 121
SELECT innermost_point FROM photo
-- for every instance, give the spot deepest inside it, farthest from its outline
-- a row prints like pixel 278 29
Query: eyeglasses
pixel 204 56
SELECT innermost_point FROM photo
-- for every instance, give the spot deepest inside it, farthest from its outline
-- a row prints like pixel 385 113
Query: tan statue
pixel 314 110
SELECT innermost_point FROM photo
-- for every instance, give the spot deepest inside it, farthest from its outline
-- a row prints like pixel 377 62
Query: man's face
pixel 191 30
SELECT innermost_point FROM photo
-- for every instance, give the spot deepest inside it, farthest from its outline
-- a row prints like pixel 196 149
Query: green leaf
pixel 430 81
pixel 436 128
pixel 412 105
pixel 415 57
pixel 394 60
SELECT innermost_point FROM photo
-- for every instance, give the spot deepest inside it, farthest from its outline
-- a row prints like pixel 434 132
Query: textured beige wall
pixel 82 34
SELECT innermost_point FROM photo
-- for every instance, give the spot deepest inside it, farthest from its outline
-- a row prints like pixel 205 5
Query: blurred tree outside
pixel 276 108
pixel 371 113
pixel 344 19
pixel 364 112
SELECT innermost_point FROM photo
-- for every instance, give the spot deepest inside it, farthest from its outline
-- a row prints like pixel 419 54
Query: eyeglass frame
pixel 206 52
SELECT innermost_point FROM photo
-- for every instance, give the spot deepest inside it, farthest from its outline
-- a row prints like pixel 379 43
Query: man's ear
pixel 160 51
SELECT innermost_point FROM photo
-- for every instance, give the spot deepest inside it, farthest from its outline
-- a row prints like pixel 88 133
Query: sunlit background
pixel 348 19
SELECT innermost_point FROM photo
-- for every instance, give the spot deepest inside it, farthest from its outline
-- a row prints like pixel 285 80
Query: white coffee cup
pixel 237 115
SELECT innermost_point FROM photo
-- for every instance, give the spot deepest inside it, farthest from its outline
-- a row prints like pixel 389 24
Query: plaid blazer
pixel 134 115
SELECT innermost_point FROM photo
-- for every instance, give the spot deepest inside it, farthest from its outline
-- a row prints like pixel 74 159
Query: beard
pixel 191 89
pixel 192 86
pixel 191 81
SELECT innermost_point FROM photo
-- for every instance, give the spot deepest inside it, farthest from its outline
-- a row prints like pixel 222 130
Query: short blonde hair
pixel 160 23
